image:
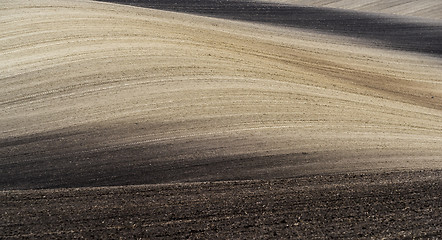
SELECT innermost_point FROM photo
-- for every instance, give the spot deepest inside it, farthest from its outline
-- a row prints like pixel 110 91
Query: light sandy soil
pixel 97 94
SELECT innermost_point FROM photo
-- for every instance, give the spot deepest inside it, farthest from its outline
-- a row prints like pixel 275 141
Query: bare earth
pixel 415 8
pixel 402 205
pixel 98 99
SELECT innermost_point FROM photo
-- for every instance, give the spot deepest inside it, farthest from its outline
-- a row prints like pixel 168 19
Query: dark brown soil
pixel 389 205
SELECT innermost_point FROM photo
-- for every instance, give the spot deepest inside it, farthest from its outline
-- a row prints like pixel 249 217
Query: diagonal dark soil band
pixel 385 30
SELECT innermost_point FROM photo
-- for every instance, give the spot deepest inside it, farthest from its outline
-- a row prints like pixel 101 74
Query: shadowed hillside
pixel 415 8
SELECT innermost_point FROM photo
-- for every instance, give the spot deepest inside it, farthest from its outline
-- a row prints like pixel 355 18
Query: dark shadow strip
pixel 389 31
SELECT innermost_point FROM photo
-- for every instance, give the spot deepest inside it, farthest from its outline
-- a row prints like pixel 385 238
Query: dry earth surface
pixel 415 8
pixel 239 128
pixel 394 31
pixel 402 205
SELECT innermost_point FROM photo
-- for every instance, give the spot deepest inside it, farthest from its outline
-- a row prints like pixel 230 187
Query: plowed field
pixel 97 96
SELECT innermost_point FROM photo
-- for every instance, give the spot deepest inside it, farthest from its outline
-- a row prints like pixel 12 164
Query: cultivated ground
pixel 97 94
pixel 389 205
pixel 414 8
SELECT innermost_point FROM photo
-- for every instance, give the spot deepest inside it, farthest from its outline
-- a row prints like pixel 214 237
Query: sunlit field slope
pixel 97 94
pixel 396 31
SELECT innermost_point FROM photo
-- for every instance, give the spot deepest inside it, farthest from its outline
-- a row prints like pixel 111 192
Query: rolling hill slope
pixel 99 94
pixel 383 30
